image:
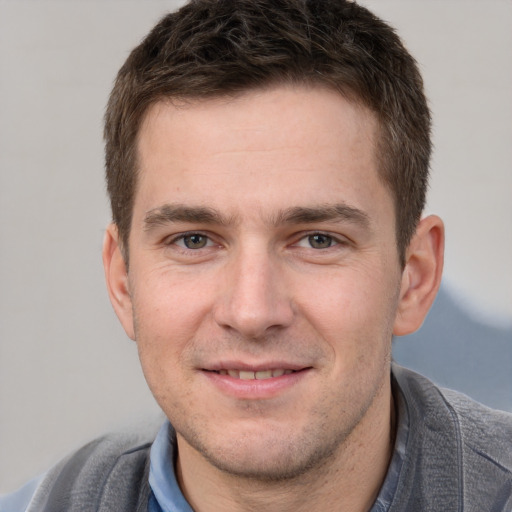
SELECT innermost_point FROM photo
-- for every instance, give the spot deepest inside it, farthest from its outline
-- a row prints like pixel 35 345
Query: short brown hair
pixel 210 48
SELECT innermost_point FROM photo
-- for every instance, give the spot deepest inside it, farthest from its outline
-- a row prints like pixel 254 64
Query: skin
pixel 263 239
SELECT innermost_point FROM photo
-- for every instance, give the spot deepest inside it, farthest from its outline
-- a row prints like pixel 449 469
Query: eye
pixel 320 241
pixel 193 241
pixel 317 241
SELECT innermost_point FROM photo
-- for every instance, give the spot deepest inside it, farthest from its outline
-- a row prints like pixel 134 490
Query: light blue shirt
pixel 166 493
pixel 169 497
pixel 162 478
pixel 18 501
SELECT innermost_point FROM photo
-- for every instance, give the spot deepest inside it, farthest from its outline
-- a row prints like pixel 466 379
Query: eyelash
pixel 333 241
pixel 181 237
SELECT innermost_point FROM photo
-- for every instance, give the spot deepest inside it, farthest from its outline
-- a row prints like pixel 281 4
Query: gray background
pixel 67 371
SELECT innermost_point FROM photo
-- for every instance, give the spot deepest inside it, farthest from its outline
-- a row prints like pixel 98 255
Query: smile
pixel 258 375
pixel 258 381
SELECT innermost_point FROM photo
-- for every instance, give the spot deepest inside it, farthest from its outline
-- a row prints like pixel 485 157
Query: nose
pixel 254 300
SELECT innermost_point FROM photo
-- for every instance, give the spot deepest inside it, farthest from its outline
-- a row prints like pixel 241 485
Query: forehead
pixel 266 110
pixel 275 148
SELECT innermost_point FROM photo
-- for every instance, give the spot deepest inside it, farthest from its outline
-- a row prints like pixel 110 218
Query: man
pixel 267 163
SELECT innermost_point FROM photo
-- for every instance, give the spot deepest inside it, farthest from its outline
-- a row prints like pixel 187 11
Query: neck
pixel 349 480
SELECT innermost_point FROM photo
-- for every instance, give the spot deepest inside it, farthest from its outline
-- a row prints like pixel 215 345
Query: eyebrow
pixel 323 213
pixel 170 213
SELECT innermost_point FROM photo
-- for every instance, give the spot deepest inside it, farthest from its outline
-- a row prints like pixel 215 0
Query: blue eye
pixel 320 241
pixel 317 241
pixel 193 241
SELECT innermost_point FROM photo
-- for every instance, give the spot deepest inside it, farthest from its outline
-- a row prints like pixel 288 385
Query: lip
pixel 254 367
pixel 255 389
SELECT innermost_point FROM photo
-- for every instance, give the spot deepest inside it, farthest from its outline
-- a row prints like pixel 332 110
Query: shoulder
pixel 483 430
pixel 458 451
pixel 112 468
pixel 456 444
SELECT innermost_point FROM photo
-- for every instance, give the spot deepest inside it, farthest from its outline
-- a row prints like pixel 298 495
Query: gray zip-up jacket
pixel 456 456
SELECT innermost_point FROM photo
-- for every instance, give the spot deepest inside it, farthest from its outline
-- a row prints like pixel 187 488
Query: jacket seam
pixel 460 452
pixel 99 499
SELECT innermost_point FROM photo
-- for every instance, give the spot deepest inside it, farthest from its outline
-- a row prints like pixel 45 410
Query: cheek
pixel 167 316
pixel 359 297
pixel 169 304
pixel 353 310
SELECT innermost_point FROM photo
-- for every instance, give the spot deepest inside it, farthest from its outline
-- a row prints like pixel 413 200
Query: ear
pixel 116 276
pixel 421 276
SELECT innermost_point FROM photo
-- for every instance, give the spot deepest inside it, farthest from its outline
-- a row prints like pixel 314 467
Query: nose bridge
pixel 255 297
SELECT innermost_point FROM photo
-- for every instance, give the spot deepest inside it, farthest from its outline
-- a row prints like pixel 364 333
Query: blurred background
pixel 67 370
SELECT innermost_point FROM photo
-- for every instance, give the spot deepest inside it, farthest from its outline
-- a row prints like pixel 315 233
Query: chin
pixel 270 459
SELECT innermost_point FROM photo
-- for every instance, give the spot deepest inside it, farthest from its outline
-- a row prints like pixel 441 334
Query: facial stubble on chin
pixel 304 456
pixel 303 460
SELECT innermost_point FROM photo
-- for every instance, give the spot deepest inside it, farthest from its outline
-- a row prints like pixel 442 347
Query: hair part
pixel 213 48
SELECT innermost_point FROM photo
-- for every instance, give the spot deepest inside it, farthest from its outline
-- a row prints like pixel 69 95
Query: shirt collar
pixel 162 477
pixel 167 492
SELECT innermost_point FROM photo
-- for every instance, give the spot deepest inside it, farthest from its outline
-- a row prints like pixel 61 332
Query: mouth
pixel 255 382
pixel 254 375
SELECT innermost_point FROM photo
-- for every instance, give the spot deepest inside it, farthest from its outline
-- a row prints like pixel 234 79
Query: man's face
pixel 264 276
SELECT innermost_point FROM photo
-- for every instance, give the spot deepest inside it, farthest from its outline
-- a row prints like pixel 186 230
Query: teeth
pixel 260 375
pixel 263 375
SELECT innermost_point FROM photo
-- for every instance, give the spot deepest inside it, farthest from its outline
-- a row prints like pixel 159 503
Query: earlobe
pixel 421 276
pixel 116 277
